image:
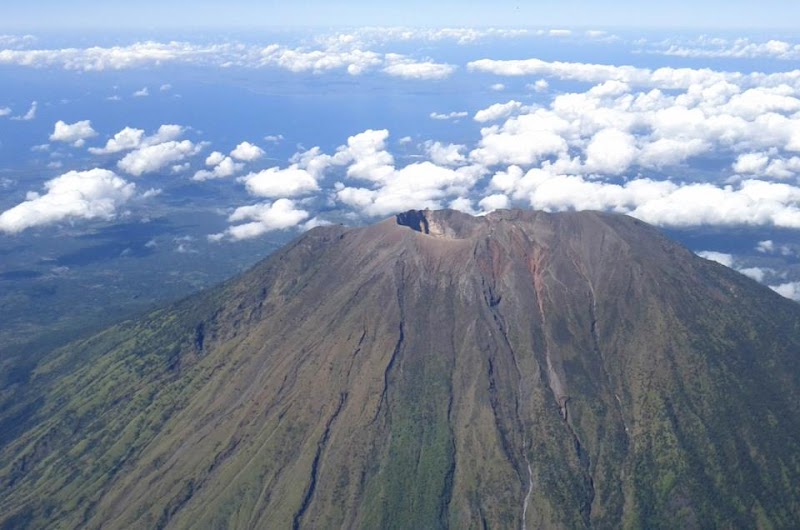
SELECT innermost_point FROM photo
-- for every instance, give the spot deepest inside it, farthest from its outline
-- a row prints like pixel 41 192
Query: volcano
pixel 435 370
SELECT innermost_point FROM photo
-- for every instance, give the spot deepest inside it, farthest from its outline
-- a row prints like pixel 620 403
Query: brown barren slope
pixel 522 369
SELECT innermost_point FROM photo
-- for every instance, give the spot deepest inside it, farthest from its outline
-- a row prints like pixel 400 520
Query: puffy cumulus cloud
pixel 142 93
pixel 720 257
pixel 403 67
pixel 140 54
pixel 129 138
pixel 419 185
pixel 664 203
pixel 541 85
pixel 766 165
pixel 756 273
pixel 610 151
pixel 462 204
pixel 301 176
pixel 125 140
pixel 768 246
pixel 17 41
pixel 93 194
pixel 663 78
pixel 497 111
pixel 716 47
pixel 455 115
pixel 496 201
pixel 226 166
pixel 30 114
pixel 247 152
pixel 392 189
pixel 275 182
pixel 338 52
pixel 223 168
pixel 521 141
pixel 73 133
pixel 355 61
pixel 214 158
pixel 383 35
pixel 259 219
pixel 789 290
pixel 151 158
pixel 611 129
pixel 4 111
pixel 367 155
pixel 445 154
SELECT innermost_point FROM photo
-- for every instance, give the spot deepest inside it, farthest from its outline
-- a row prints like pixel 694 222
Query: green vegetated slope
pixel 573 370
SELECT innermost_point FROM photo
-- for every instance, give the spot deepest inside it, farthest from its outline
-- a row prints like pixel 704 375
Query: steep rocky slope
pixel 522 369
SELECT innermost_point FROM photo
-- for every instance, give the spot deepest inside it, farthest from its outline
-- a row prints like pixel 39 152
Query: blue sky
pixel 711 14
pixel 232 141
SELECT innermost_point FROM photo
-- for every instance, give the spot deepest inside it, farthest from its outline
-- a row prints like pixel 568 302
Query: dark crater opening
pixel 415 220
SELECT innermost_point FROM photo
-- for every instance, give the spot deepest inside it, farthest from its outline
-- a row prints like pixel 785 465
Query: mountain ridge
pixel 432 370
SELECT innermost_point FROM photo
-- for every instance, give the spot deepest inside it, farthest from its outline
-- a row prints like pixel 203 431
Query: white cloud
pixel 275 182
pixel 770 247
pixel 136 55
pixel 496 201
pixel 448 116
pixel 4 111
pixel 520 141
pixel 446 154
pixel 17 41
pixel 152 158
pixel 560 33
pixel 355 61
pixel 610 151
pixel 400 66
pixel 498 87
pixel 166 87
pixel 141 93
pixel 497 111
pixel 541 85
pixel 223 168
pixel 130 138
pixel 664 78
pixel 93 194
pixel 247 152
pixel 262 218
pixel 419 185
pixel 392 189
pixel 313 223
pixel 741 48
pixel 73 133
pixel 274 138
pixel 214 158
pixel 766 246
pixel 764 165
pixel 789 290
pixel 755 273
pixel 31 114
pixel 126 139
pixel 719 257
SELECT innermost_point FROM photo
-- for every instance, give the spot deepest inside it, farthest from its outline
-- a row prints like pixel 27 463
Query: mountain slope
pixel 434 370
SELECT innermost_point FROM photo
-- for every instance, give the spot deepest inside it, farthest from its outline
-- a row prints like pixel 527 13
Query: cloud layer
pixel 92 194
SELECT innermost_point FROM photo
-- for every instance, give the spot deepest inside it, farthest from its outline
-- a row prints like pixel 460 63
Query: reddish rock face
pixel 521 369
